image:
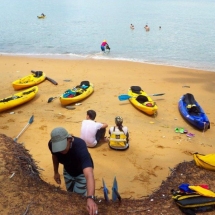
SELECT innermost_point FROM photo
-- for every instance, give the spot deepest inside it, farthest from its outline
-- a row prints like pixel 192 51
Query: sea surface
pixel 75 29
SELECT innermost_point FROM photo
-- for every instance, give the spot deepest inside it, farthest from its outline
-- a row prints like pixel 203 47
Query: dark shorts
pixel 100 134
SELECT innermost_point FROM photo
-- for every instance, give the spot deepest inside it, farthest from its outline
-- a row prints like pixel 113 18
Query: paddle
pixel 105 191
pixel 52 98
pixel 29 122
pixel 126 97
pixel 115 194
pixel 47 78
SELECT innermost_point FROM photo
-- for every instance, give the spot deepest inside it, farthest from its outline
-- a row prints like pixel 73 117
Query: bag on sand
pixel 205 161
pixel 192 203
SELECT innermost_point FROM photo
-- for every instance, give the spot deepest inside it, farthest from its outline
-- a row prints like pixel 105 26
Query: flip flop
pixel 181 130
pixel 77 104
pixel 190 135
pixel 70 107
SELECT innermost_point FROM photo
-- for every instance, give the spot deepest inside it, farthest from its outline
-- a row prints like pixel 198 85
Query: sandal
pixel 190 135
pixel 181 130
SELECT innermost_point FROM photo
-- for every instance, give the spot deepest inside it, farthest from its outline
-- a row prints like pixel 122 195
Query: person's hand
pixel 92 207
pixel 57 178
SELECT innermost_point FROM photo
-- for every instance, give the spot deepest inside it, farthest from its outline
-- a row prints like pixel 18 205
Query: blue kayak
pixel 192 112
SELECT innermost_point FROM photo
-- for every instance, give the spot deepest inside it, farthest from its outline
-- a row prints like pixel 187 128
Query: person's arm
pixel 91 205
pixel 55 166
pixel 104 125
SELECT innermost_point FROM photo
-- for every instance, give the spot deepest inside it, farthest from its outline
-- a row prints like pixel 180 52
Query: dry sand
pixel 154 146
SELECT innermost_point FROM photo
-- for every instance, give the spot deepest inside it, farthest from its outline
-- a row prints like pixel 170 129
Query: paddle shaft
pixel 126 97
pixel 21 132
pixel 47 78
pixel 29 122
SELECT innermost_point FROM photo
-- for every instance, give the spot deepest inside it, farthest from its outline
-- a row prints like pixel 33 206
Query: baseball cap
pixel 59 137
pixel 118 119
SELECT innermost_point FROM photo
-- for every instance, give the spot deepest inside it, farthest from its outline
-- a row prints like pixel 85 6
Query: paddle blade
pixel 117 194
pixel 105 190
pixel 124 97
pixel 115 190
pixel 51 99
pixel 31 119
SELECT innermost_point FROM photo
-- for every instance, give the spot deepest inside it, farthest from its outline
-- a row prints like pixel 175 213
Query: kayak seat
pixel 38 74
pixel 191 104
pixel 84 85
pixel 142 99
pixel 10 98
pixel 136 89
pixel 189 99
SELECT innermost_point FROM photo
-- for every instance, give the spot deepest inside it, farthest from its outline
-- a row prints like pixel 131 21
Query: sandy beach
pixel 155 148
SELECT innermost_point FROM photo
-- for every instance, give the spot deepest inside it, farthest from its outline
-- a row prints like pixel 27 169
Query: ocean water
pixel 75 29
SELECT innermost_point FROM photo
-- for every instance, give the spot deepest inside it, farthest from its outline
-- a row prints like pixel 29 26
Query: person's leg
pixel 103 48
pixel 75 184
pixel 80 185
pixel 100 134
pixel 69 181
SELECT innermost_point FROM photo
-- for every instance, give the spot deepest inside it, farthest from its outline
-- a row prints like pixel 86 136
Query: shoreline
pixel 86 57
pixel 154 146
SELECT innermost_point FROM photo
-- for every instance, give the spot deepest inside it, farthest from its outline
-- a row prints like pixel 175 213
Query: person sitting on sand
pixel 119 136
pixel 78 165
pixel 93 132
pixel 104 45
pixel 147 27
pixel 132 26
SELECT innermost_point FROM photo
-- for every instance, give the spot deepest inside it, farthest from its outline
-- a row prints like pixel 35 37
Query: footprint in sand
pixel 11 120
pixel 188 153
pixel 43 127
pixel 160 147
pixel 158 168
pixel 5 127
pixel 61 117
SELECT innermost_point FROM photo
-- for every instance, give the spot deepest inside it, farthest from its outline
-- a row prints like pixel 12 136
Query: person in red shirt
pixel 104 45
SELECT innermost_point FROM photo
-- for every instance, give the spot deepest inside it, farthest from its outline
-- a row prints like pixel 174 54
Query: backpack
pixel 118 140
pixel 192 203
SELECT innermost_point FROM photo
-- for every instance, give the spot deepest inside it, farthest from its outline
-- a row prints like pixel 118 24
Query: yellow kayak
pixel 41 17
pixel 77 93
pixel 18 98
pixel 142 101
pixel 29 81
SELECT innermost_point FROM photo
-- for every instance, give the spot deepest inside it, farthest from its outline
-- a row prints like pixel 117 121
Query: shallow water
pixel 75 29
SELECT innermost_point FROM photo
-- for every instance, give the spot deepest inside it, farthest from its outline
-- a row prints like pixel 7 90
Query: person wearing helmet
pixel 104 45
pixel 119 136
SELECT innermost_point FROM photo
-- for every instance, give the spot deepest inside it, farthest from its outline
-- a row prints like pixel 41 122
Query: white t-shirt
pixel 88 131
pixel 124 128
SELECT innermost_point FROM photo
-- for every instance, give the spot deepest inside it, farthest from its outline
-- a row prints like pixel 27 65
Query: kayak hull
pixel 147 105
pixel 197 119
pixel 76 98
pixel 41 17
pixel 18 98
pixel 28 81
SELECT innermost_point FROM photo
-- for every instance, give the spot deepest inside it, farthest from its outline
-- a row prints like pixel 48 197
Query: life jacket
pixel 118 140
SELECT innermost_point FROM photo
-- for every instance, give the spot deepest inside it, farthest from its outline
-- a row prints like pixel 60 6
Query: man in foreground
pixel 78 165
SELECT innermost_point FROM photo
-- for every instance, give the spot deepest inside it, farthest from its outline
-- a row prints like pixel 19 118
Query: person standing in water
pixel 104 45
pixel 147 27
